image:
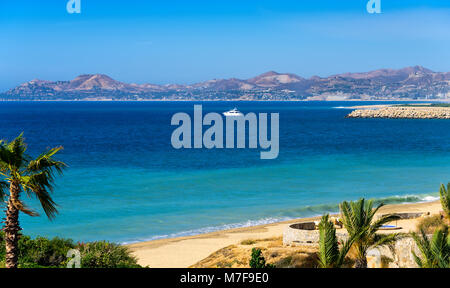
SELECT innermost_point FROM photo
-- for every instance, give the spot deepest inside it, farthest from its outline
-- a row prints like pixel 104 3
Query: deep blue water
pixel 126 182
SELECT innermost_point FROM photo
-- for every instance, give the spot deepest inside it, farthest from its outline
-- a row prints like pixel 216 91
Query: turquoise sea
pixel 126 183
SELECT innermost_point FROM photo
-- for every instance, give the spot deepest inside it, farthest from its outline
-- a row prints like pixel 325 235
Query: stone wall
pixel 383 257
pixel 411 215
pixel 305 234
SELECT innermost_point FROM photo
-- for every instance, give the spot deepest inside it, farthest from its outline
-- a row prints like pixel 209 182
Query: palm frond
pixel 386 239
pixel 328 244
pixel 435 252
pixel 12 154
pixel 346 246
pixel 330 254
pixel 382 221
pixel 45 162
pixel 23 208
pixel 40 185
pixel 417 259
pixel 38 180
pixel 5 157
pixel 445 198
pixel 372 211
pixel 349 219
pixel 439 247
pixel 17 147
pixel 357 218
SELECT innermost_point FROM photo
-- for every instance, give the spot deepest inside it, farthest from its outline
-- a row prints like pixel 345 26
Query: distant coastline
pixel 406 84
pixel 232 100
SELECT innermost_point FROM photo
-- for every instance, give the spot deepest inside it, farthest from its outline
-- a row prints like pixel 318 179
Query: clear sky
pixel 186 41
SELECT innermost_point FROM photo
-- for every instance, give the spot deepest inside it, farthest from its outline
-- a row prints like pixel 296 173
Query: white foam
pixel 342 107
pixel 429 198
pixel 408 199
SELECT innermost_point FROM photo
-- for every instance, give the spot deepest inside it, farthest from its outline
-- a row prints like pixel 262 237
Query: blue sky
pixel 190 41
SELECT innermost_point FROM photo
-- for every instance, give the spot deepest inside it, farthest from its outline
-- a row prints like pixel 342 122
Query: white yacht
pixel 233 113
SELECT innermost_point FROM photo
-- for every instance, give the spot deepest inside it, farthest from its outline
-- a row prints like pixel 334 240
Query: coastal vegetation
pixel 435 252
pixel 258 261
pixel 103 254
pixel 272 249
pixel 423 105
pixel 430 224
pixel 358 220
pixel 445 200
pixel 34 177
pixel 330 255
pixel 324 253
pixel 42 252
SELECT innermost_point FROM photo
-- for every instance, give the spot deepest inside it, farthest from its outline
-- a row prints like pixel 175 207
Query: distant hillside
pixel 385 84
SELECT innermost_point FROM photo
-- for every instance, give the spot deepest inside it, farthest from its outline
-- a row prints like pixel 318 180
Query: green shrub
pixel 258 261
pixel 52 253
pixel 104 254
pixel 40 252
pixel 44 252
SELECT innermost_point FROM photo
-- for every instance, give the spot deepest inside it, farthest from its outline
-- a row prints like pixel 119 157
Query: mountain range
pixel 384 84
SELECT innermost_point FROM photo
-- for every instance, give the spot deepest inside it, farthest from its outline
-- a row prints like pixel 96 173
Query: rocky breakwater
pixel 402 112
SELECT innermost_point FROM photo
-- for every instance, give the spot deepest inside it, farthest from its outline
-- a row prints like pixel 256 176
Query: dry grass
pixel 238 256
pixel 430 224
pixel 248 242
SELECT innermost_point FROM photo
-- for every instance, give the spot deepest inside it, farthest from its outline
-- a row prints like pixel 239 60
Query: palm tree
pixel 445 199
pixel 435 253
pixel 357 218
pixel 35 177
pixel 330 256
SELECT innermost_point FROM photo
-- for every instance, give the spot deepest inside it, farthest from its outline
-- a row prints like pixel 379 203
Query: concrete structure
pixel 395 256
pixel 305 234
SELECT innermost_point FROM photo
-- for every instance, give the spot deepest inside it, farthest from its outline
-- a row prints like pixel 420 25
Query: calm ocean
pixel 126 183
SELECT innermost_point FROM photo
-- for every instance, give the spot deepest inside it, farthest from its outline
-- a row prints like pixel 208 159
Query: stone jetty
pixel 399 112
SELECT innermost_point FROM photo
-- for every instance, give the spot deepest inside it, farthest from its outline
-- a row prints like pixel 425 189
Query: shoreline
pixel 185 251
pixel 390 200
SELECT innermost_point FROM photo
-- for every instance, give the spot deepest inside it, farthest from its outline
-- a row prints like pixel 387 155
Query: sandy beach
pixel 186 251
